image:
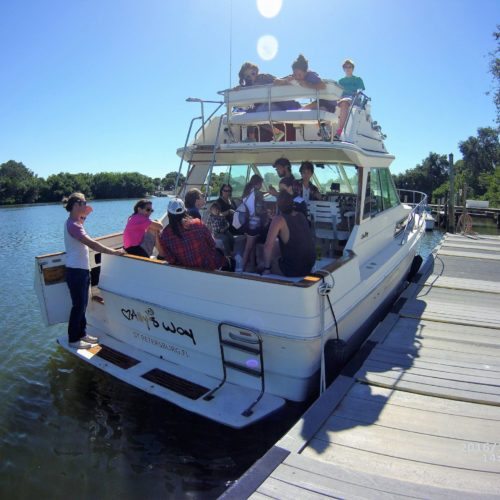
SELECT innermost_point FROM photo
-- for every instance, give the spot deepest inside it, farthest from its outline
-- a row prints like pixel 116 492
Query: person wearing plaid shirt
pixel 219 226
pixel 188 242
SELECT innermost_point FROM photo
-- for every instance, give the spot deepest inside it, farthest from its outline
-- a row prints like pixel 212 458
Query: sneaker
pixel 81 344
pixel 90 339
pixel 278 136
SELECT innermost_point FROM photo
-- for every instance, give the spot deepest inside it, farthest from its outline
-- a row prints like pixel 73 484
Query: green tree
pixel 481 155
pixel 495 72
pixel 168 181
pixel 492 182
pixel 18 184
pixel 426 176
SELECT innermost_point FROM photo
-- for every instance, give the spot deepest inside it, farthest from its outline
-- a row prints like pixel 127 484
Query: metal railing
pixel 418 204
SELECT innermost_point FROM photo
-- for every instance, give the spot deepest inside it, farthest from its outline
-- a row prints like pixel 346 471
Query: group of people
pixel 289 247
pixel 249 75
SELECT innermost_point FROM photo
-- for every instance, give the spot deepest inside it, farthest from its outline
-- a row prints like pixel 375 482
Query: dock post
pixel 450 227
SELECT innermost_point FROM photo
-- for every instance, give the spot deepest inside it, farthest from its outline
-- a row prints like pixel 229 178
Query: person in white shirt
pixel 77 243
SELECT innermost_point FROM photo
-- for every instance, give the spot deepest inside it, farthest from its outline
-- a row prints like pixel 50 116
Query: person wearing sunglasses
pixel 226 203
pixel 249 75
pixel 350 85
pixel 77 243
pixel 139 236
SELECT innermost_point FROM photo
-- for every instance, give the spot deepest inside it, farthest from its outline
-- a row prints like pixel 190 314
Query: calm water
pixel 67 429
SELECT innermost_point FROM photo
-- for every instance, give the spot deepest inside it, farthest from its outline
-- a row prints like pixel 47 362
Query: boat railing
pixel 204 121
pixel 418 204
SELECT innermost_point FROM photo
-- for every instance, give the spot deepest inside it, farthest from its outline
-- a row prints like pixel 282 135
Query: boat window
pixel 380 192
pixel 343 177
pixel 389 194
pixel 236 175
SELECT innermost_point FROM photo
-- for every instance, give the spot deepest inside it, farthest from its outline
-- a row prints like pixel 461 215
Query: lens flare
pixel 267 47
pixel 269 8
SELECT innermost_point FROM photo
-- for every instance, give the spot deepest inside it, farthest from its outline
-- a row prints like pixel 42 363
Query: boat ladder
pixel 236 345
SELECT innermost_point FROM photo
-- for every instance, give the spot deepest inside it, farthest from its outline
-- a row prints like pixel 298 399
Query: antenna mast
pixel 230 41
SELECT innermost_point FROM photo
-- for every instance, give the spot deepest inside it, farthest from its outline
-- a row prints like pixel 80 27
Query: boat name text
pixel 149 319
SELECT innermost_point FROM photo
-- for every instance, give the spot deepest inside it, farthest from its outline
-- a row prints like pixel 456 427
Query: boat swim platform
pixel 416 412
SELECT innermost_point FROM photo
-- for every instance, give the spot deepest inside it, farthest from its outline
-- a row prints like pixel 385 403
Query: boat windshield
pixel 334 177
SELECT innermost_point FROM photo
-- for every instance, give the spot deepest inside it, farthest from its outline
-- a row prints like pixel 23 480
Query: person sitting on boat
pixel 139 236
pixel 350 85
pixel 219 227
pixel 298 253
pixel 283 169
pixel 77 243
pixel 188 242
pixel 306 188
pixel 299 205
pixel 227 204
pixel 249 75
pixel 257 225
pixel 195 200
pixel 308 79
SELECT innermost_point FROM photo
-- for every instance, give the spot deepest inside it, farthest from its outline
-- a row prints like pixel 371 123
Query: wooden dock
pixel 417 412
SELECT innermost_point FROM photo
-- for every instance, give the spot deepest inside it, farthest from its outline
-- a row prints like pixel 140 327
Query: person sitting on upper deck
pixel 308 79
pixel 283 169
pixel 195 200
pixel 249 75
pixel 298 253
pixel 188 242
pixel 306 188
pixel 139 236
pixel 350 85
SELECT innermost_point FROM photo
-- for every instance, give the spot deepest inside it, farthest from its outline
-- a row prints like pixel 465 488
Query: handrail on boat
pixel 419 202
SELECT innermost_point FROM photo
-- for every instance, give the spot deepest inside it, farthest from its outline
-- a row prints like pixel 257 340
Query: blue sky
pixel 100 85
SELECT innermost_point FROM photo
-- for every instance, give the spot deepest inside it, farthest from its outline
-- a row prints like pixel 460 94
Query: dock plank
pixel 413 329
pixel 465 482
pixel 462 283
pixel 332 480
pixel 396 443
pixel 412 400
pixel 472 255
pixel 430 386
pixel 403 359
pixel 418 420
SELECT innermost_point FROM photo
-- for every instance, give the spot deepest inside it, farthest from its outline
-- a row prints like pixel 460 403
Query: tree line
pixel 478 170
pixel 18 185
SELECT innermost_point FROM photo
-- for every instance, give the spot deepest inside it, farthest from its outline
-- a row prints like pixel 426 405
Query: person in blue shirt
pixel 350 85
pixel 194 200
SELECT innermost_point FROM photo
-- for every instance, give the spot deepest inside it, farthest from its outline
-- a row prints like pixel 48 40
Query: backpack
pixel 241 217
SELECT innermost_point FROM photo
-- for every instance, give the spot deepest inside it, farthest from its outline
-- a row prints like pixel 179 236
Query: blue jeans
pixel 78 281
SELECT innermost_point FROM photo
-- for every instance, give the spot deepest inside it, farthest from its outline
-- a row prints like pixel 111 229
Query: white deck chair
pixel 324 219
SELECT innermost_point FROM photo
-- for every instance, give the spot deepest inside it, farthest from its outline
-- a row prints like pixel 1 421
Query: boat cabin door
pixel 51 289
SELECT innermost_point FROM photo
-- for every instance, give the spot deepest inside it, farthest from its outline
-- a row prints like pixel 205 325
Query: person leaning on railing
pixel 309 79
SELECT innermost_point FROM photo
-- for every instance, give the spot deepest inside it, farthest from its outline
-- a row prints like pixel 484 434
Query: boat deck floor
pixel 417 412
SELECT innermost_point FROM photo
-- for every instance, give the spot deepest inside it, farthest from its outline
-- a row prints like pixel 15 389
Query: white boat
pixel 430 222
pixel 235 347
